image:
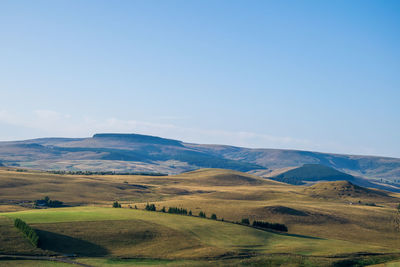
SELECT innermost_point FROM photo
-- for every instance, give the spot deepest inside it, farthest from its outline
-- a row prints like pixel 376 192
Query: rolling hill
pixel 346 189
pixel 95 233
pixel 142 153
pixel 329 223
pixel 311 172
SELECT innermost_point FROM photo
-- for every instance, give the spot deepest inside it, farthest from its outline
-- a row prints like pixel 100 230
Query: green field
pixel 129 233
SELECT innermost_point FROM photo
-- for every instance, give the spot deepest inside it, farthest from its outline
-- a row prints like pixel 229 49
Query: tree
pixel 213 216
pixel 190 213
pixel 396 218
pixel 150 207
pixel 163 209
pixel 202 214
pixel 245 221
pixel 116 204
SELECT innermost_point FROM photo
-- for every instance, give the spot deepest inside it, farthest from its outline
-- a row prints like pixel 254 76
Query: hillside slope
pixel 221 177
pixel 135 233
pixel 322 210
pixel 346 189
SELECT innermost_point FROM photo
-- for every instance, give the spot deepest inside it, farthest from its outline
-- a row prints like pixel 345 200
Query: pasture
pixel 325 226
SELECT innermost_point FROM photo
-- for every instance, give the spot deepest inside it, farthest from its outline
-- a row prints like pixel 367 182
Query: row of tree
pixel 202 214
pixel 273 226
pixel 106 173
pixel 176 210
pixel 27 231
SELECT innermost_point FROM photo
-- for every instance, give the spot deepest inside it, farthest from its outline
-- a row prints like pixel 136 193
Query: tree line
pixel 176 210
pixel 202 214
pixel 273 226
pixel 107 173
pixel 27 231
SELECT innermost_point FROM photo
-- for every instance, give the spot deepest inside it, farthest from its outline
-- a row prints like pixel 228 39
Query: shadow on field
pixel 302 236
pixel 68 245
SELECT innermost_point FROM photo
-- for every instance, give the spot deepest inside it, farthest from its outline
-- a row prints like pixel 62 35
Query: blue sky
pixel 311 75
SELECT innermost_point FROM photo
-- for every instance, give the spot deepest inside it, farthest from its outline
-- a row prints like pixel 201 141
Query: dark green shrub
pixel 245 221
pixel 213 216
pixel 116 205
pixel 150 207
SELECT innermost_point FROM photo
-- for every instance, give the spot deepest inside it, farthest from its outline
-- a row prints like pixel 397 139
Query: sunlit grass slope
pixel 90 231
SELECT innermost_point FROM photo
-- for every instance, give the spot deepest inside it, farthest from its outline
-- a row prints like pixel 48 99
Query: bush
pixel 163 209
pixel 190 213
pixel 116 205
pixel 213 216
pixel 202 214
pixel 27 231
pixel 150 207
pixel 273 226
pixel 245 221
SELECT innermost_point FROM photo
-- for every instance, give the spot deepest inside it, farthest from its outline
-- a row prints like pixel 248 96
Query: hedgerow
pixel 27 231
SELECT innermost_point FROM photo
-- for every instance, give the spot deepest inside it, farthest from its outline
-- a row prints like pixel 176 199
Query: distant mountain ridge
pixel 144 153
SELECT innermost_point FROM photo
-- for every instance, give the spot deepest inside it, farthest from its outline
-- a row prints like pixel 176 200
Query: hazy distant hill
pixel 312 172
pixel 142 153
pixel 317 172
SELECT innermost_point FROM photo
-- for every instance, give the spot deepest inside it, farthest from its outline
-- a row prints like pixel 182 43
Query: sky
pixel 309 75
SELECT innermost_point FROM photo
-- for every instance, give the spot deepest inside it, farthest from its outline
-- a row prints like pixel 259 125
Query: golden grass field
pixel 328 222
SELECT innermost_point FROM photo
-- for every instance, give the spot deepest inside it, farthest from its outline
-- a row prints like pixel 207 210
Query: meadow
pixel 329 223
